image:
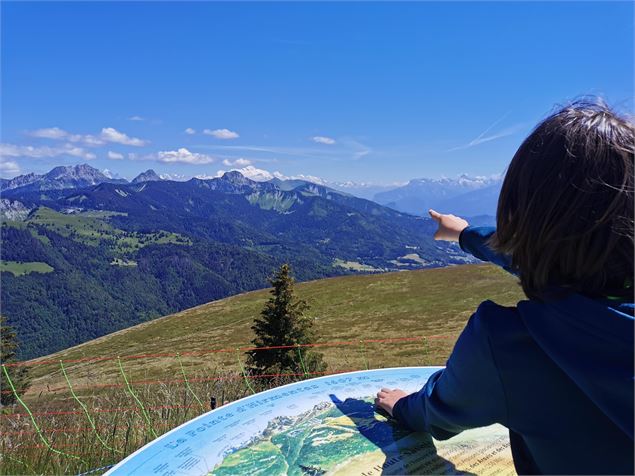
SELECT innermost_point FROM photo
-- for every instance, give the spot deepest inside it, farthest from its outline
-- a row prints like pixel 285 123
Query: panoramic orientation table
pixel 326 425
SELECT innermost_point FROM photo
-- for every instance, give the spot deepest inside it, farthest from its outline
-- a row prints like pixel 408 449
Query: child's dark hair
pixel 565 212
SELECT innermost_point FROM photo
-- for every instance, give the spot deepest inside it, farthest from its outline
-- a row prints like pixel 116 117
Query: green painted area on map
pixel 314 442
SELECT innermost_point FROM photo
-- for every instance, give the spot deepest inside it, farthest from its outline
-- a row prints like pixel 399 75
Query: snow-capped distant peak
pixel 462 180
pixel 175 177
pixel 351 184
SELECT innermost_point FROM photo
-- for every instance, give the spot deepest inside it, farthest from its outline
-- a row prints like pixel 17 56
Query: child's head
pixel 565 212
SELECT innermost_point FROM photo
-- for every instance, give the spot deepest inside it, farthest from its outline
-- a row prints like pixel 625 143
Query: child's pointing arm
pixel 472 239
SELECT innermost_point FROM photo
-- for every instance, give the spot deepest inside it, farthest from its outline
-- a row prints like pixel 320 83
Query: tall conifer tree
pixel 283 322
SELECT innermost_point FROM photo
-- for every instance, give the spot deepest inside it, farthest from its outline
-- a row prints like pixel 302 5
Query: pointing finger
pixel 436 216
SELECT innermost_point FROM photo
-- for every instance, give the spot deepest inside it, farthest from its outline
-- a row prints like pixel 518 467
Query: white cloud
pixel 221 133
pixel 60 134
pixel 11 150
pixel 182 156
pixel 189 131
pixel 237 163
pixel 109 134
pixel 9 168
pixel 49 133
pixel 483 137
pixel 88 140
pixel 115 155
pixel 346 148
pixel 136 118
pixel 323 140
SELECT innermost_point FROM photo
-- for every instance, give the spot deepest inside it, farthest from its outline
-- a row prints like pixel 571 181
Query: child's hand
pixel 386 398
pixel 450 226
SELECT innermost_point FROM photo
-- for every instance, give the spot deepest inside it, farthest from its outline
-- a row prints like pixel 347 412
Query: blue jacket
pixel 558 374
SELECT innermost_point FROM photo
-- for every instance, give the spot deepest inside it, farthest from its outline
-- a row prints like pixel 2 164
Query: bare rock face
pixel 13 210
pixel 59 178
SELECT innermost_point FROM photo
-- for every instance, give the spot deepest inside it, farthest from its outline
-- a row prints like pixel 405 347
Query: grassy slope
pixel 20 269
pixel 405 304
pixel 92 227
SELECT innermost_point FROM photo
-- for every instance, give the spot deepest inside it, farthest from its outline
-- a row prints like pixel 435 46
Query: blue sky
pixel 368 92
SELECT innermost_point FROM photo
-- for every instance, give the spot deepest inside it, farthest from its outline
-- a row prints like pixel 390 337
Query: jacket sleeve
pixel 468 393
pixel 473 240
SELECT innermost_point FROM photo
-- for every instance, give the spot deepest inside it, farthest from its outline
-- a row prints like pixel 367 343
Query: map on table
pixel 321 426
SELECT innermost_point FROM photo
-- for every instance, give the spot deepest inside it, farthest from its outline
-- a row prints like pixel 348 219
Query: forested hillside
pixel 86 262
pixel 88 294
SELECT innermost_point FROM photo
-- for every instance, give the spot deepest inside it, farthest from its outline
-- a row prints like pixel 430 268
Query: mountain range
pixel 85 260
pixel 65 177
pixel 464 196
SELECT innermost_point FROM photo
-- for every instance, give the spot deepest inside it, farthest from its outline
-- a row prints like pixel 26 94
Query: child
pixel 557 369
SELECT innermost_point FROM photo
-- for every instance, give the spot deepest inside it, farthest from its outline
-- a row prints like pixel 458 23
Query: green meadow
pixel 433 303
pixel 22 268
pixel 93 228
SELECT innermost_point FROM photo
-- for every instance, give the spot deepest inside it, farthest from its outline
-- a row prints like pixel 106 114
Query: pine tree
pixel 283 322
pixel 19 375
